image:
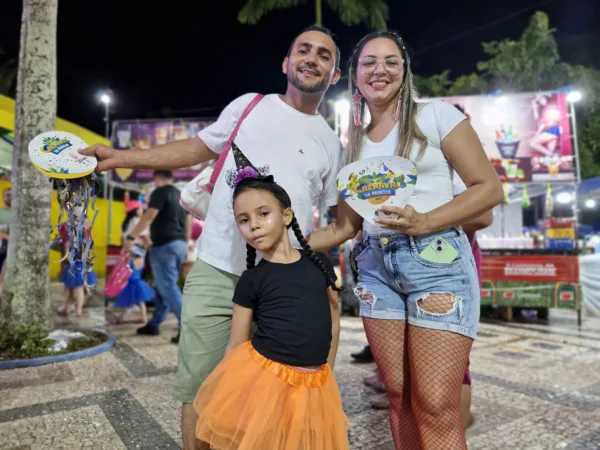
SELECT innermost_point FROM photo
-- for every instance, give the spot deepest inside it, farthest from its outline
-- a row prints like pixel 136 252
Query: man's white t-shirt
pixel 301 151
pixel 434 186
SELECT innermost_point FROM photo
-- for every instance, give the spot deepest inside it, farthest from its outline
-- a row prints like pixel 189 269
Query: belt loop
pixel 458 229
pixel 413 243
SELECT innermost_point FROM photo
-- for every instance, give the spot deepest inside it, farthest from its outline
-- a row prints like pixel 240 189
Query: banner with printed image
pixel 149 133
pixel 527 136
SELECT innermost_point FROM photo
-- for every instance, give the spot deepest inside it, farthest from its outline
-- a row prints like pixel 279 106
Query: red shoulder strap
pixel 219 166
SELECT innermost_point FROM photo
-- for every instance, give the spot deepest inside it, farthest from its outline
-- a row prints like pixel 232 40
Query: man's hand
pixel 108 158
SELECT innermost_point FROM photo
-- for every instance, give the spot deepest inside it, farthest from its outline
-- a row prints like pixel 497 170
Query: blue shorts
pixel 393 277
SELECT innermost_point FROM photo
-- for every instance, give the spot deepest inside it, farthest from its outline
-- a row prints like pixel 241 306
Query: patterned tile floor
pixel 536 387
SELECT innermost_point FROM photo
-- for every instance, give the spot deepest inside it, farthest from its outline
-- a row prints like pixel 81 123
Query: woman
pixel 420 316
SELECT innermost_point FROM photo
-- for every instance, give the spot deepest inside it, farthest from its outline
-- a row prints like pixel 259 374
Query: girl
pixel 134 214
pixel 137 291
pixel 278 390
pixel 420 316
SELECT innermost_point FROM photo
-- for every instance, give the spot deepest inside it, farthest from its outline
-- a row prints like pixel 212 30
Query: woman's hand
pixel 409 221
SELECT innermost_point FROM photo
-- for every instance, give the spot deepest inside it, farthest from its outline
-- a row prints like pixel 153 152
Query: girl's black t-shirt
pixel 291 310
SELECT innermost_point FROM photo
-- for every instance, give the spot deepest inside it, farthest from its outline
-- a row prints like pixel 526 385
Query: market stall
pixel 530 253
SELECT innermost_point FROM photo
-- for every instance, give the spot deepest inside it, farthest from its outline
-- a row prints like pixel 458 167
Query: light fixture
pixel 590 203
pixel 564 197
pixel 105 98
pixel 574 96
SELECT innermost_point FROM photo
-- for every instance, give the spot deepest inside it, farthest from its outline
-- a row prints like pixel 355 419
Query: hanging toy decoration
pixel 55 154
pixel 525 201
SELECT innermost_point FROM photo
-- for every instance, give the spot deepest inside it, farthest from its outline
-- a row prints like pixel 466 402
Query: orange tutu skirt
pixel 252 403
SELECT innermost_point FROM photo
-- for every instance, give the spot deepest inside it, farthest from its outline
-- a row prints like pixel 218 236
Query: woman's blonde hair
pixel 408 130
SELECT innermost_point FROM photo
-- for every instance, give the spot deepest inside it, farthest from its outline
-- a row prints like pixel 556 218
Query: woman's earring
pixel 397 108
pixel 357 108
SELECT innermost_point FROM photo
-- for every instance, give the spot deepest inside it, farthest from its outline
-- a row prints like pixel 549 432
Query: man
pixel 283 134
pixel 170 231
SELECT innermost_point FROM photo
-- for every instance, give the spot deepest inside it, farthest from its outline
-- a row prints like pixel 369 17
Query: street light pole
pixel 575 140
pixel 572 98
pixel 108 194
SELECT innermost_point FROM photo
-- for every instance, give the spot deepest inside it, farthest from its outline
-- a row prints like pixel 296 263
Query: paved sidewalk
pixel 535 388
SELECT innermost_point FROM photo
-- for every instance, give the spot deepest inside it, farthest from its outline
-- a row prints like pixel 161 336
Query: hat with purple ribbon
pixel 244 169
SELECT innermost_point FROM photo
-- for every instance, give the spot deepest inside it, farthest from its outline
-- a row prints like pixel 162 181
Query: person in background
pixel 192 254
pixel 136 292
pixel 170 232
pixel 134 212
pixel 5 218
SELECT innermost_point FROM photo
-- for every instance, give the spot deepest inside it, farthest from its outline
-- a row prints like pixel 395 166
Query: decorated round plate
pixel 56 154
pixel 369 184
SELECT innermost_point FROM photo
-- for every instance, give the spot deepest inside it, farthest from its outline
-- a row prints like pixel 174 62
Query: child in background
pixel 278 390
pixel 136 292
pixel 72 277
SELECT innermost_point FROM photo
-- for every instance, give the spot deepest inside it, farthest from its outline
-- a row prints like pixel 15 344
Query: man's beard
pixel 307 88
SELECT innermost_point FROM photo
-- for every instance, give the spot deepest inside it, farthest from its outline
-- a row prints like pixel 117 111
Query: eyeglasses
pixel 392 64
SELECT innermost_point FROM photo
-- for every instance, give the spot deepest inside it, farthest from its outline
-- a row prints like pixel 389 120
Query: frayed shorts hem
pixel 423 323
pixel 384 314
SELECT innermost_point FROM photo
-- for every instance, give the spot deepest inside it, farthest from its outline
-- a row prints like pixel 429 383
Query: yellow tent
pixel 99 233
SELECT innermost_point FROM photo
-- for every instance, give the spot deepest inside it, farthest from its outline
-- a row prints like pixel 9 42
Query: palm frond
pixel 374 13
pixel 254 10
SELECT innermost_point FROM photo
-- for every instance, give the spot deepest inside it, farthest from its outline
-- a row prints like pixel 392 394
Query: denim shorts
pixel 393 277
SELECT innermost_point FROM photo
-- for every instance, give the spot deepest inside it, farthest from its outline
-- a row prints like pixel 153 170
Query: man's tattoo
pixel 332 227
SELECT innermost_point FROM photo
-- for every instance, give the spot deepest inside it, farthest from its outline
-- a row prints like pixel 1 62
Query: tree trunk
pixel 318 13
pixel 26 296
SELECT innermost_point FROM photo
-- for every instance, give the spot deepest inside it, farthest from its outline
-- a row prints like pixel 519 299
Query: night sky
pixel 190 58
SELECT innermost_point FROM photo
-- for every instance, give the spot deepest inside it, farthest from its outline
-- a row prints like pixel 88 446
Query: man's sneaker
pixel 175 339
pixel 364 356
pixel 148 330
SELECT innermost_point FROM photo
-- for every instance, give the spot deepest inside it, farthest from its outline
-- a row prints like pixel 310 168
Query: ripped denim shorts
pixel 394 281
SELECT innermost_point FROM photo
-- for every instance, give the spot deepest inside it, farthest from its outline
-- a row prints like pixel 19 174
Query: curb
pixel 92 351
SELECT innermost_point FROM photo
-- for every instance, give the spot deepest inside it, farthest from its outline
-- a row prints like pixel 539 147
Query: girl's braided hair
pixel 283 198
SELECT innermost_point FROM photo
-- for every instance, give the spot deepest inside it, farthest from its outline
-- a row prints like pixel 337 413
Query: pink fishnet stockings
pixel 387 340
pixel 423 378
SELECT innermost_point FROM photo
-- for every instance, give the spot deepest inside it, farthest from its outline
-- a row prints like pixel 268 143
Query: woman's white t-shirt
pixel 434 186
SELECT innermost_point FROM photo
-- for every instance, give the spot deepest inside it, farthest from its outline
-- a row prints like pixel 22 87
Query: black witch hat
pixel 244 169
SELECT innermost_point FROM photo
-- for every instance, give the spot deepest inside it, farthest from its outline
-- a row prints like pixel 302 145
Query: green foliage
pixel 373 13
pixel 23 341
pixel 530 64
pixel 29 341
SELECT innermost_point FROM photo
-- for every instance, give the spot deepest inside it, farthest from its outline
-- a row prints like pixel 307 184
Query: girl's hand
pixel 409 221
